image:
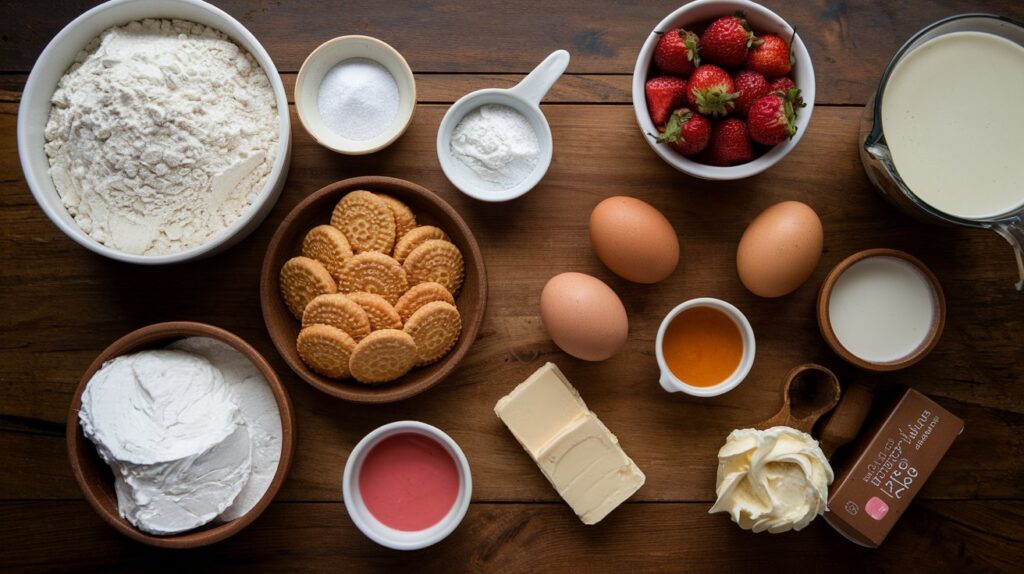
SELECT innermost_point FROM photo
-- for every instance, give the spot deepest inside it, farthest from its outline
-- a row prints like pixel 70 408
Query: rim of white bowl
pixel 385 535
pixel 804 78
pixel 270 191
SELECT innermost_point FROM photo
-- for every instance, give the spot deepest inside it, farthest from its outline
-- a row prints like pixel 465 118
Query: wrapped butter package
pixel 578 455
pixel 892 460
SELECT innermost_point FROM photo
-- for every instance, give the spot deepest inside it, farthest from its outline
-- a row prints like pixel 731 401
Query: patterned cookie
pixel 326 350
pixel 381 313
pixel 405 219
pixel 414 238
pixel 383 356
pixel 435 327
pixel 419 295
pixel 301 280
pixel 337 311
pixel 438 261
pixel 374 273
pixel 327 245
pixel 366 221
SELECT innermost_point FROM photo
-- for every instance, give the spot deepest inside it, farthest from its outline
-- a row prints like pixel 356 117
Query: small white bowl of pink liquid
pixel 407 485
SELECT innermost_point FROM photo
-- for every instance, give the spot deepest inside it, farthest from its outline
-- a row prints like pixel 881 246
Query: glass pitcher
pixel 877 158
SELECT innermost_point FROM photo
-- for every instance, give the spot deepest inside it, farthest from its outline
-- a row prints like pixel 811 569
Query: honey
pixel 702 346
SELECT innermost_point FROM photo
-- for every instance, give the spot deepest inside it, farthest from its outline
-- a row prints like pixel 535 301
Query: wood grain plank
pixel 63 304
pixel 512 538
pixel 446 88
pixel 849 42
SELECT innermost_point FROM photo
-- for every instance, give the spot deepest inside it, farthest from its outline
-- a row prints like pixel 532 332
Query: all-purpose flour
pixel 160 135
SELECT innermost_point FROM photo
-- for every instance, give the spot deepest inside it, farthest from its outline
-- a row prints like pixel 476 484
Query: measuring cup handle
pixel 533 87
pixel 1013 231
pixel 665 380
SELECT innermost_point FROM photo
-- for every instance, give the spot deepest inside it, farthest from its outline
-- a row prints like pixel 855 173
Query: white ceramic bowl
pixel 333 52
pixel 385 535
pixel 525 98
pixel 762 20
pixel 673 384
pixel 58 56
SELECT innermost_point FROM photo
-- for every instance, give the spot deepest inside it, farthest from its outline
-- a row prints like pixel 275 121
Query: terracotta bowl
pixel 825 322
pixel 95 478
pixel 316 210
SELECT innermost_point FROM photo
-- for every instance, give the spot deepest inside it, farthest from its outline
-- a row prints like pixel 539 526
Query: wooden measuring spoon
pixel 847 418
pixel 809 392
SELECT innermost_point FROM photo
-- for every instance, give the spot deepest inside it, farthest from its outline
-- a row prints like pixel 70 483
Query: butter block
pixel 541 406
pixel 578 455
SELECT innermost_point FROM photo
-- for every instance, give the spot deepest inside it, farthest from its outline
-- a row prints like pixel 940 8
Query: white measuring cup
pixel 525 98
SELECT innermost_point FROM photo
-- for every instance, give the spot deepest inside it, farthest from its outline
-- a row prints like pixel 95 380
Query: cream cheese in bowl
pixel 191 433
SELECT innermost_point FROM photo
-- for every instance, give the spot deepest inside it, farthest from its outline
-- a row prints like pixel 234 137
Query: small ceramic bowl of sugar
pixel 355 95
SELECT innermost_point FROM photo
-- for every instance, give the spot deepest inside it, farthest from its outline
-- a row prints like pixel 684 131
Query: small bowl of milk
pixel 881 309
pixel 494 144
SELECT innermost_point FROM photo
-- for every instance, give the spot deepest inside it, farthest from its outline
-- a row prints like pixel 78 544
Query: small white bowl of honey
pixel 705 348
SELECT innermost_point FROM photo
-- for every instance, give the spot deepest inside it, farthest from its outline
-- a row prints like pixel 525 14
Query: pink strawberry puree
pixel 409 482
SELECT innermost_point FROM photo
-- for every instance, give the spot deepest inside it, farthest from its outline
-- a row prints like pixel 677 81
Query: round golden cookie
pixel 438 261
pixel 383 356
pixel 366 221
pixel 327 245
pixel 435 327
pixel 382 314
pixel 405 219
pixel 326 350
pixel 374 273
pixel 419 295
pixel 413 239
pixel 337 311
pixel 301 280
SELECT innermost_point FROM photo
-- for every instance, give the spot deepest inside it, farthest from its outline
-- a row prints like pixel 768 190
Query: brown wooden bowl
pixel 95 478
pixel 825 323
pixel 316 210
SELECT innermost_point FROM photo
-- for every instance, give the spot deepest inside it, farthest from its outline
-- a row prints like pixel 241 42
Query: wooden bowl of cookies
pixel 373 289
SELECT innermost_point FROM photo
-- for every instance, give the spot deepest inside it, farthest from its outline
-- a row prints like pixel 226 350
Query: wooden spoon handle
pixel 847 418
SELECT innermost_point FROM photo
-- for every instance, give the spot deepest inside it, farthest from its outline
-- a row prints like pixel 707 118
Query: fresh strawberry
pixel 726 40
pixel 772 57
pixel 686 132
pixel 677 52
pixel 664 94
pixel 751 86
pixel 783 84
pixel 772 118
pixel 711 91
pixel 730 143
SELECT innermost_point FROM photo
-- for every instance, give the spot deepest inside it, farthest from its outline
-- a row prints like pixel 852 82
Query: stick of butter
pixel 579 456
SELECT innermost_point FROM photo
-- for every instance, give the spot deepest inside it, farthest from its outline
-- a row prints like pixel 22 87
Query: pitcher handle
pixel 1013 231
pixel 534 86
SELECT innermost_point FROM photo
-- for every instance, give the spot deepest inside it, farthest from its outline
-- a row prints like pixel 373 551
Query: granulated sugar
pixel 358 99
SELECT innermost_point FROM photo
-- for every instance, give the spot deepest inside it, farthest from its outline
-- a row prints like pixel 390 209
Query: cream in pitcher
pixel 956 140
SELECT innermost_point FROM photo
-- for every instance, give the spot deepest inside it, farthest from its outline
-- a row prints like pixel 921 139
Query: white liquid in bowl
pixel 954 123
pixel 881 309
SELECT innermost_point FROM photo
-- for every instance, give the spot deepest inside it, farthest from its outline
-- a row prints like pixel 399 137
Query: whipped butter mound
pixel 775 479
pixel 173 435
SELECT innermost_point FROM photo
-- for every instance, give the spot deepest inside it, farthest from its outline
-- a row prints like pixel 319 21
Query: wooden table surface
pixel 61 305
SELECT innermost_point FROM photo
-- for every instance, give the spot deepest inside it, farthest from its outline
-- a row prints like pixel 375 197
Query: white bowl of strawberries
pixel 723 89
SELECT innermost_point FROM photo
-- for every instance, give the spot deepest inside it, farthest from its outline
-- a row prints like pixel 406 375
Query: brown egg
pixel 780 249
pixel 634 239
pixel 583 316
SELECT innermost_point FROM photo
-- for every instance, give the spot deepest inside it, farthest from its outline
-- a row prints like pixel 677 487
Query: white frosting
pixel 259 411
pixel 171 431
pixel 775 480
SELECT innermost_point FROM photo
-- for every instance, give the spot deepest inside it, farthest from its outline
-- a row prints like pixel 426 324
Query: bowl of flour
pixel 155 131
